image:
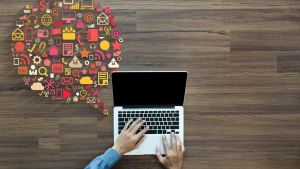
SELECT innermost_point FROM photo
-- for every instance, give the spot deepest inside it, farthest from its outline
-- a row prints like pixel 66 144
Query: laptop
pixel 154 96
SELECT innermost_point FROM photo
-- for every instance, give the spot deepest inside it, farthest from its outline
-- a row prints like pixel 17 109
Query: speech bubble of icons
pixel 19 46
pixel 104 45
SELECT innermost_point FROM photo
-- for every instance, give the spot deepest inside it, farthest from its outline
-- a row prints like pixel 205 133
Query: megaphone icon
pixel 55 31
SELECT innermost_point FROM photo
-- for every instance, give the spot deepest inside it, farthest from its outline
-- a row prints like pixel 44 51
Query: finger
pixel 126 125
pixel 158 155
pixel 182 148
pixel 142 132
pixel 178 143
pixel 166 145
pixel 136 127
pixel 133 124
pixel 140 142
pixel 174 149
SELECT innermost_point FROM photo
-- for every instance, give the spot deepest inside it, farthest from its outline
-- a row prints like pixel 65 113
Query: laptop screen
pixel 140 89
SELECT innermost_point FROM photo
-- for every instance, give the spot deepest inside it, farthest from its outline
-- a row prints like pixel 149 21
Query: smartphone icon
pixel 101 106
pixel 58 93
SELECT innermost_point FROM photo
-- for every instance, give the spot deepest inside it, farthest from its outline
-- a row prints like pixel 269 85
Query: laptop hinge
pixel 149 106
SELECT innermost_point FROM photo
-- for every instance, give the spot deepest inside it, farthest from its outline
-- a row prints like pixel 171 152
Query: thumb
pixel 158 155
pixel 140 142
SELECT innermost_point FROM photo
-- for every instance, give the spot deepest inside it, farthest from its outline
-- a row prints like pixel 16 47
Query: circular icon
pixel 12 44
pixel 55 12
pixel 79 15
pixel 77 93
pixel 75 73
pixel 47 62
pixel 50 41
pixel 37 40
pixel 104 45
pixel 83 93
pixel 119 59
pixel 102 5
pixel 105 112
pixel 96 106
pixel 53 98
pixel 87 62
pixel 46 20
pixel 115 33
pixel 19 46
pixel 88 17
pixel 37 59
pixel 120 40
pixel 26 24
pixel 45 69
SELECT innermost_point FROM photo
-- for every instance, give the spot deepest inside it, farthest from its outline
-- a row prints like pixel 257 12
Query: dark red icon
pixel 66 80
pixel 57 68
pixel 58 23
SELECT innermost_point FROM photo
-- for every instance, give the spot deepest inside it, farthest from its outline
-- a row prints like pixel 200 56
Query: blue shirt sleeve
pixel 105 161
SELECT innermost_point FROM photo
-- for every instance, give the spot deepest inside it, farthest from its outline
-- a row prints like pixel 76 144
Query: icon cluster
pixel 67 53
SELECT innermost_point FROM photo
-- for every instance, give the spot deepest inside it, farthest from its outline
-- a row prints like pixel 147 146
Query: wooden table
pixel 242 97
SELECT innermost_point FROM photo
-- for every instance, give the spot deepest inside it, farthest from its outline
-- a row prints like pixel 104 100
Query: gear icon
pixel 37 59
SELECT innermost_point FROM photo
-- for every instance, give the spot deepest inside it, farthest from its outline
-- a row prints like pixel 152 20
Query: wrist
pixel 118 150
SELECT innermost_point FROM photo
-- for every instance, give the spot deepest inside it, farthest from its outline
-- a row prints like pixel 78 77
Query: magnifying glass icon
pixel 75 73
pixel 45 69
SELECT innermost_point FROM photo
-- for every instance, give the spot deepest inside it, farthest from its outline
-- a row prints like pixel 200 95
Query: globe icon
pixel 46 19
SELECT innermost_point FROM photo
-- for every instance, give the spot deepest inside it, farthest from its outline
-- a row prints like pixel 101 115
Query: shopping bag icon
pixel 69 34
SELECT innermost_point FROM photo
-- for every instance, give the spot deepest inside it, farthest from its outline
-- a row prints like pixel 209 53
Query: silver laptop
pixel 154 96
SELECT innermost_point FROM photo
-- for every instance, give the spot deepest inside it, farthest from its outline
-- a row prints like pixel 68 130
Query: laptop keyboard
pixel 159 122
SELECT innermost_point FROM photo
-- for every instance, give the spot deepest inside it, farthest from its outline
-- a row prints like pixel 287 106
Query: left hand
pixel 128 140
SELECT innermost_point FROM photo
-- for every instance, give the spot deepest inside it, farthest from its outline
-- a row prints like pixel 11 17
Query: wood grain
pixel 242 98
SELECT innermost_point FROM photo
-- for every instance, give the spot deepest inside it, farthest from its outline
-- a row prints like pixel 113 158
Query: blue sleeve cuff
pixel 111 157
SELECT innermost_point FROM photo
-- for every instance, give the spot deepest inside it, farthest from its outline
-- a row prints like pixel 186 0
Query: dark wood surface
pixel 242 97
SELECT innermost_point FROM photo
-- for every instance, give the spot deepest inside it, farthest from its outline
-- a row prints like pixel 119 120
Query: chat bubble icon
pixel 104 45
pixel 19 46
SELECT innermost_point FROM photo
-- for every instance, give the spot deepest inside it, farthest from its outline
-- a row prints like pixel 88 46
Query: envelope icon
pixel 102 19
pixel 67 81
pixel 18 35
pixel 91 100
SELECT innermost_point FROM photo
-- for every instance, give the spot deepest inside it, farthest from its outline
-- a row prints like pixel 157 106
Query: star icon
pixel 116 45
pixel 84 71
pixel 84 53
pixel 108 55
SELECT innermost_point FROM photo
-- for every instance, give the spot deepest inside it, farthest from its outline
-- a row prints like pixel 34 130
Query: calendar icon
pixel 57 68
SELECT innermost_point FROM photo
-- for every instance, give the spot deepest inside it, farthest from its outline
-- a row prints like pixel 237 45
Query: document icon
pixel 67 49
pixel 102 78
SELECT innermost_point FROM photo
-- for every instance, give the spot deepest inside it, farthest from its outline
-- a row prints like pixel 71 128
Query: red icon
pixel 97 5
pixel 44 55
pixel 58 44
pixel 56 31
pixel 58 23
pixel 116 45
pixel 75 73
pixel 82 98
pixel 31 33
pixel 115 33
pixel 101 108
pixel 57 68
pixel 92 35
pixel 78 38
pixel 111 20
pixel 93 70
pixel 66 94
pixel 88 87
pixel 19 46
pixel 66 80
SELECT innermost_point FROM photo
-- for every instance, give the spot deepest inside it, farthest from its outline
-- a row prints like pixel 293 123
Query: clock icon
pixel 83 93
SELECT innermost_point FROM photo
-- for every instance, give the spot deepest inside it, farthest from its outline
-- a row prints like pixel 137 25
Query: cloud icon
pixel 75 63
pixel 113 64
pixel 37 86
pixel 86 80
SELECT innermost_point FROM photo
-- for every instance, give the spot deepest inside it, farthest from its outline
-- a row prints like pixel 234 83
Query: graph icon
pixel 76 6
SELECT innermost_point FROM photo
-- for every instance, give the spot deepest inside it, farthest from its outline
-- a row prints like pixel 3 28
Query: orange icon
pixel 29 21
pixel 88 17
pixel 55 12
pixel 22 70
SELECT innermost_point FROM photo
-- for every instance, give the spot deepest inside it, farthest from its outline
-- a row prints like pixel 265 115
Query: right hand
pixel 173 158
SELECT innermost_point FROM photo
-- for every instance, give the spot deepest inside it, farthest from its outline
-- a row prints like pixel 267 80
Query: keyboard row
pixel 121 123
pixel 155 132
pixel 154 127
pixel 150 119
pixel 149 115
pixel 176 111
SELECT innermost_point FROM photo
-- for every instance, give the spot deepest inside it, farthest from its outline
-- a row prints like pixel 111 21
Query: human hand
pixel 173 158
pixel 128 140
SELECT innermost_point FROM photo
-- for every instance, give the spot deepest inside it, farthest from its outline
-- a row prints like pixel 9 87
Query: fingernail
pixel 143 120
pixel 139 118
pixel 172 133
pixel 130 119
pixel 148 127
pixel 164 136
pixel 156 148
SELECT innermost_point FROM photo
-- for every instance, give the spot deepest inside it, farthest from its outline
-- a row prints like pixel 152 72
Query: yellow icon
pixel 45 69
pixel 30 50
pixel 63 60
pixel 41 93
pixel 83 93
pixel 69 34
pixel 86 80
pixel 107 30
pixel 26 24
pixel 28 6
pixel 46 19
pixel 18 35
pixel 105 112
pixel 42 46
pixel 104 45
pixel 87 5
pixel 102 78
pixel 76 6
pixel 68 71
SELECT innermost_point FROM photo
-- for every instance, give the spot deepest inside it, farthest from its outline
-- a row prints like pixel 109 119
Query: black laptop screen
pixel 148 88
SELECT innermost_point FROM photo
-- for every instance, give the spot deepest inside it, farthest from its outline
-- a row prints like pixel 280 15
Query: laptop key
pixel 141 115
pixel 172 111
pixel 164 131
pixel 141 111
pixel 177 119
pixel 176 115
pixel 155 111
pixel 168 119
pixel 153 115
pixel 121 119
pixel 161 123
pixel 147 119
pixel 175 123
pixel 168 132
pixel 154 127
pixel 158 127
pixel 165 123
pixel 151 131
pixel 159 131
pixel 126 119
pixel 156 119
pixel 169 123
pixel 132 115
pixel 177 132
pixel 174 127
pixel 163 127
pixel 160 119
pixel 151 119
pixel 121 123
pixel 158 115
pixel 173 131
pixel 177 111
pixel 157 123
pixel 152 123
pixel 120 115
pixel 119 111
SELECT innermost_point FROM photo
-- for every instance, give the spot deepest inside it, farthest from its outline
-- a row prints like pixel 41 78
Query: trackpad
pixel 149 145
